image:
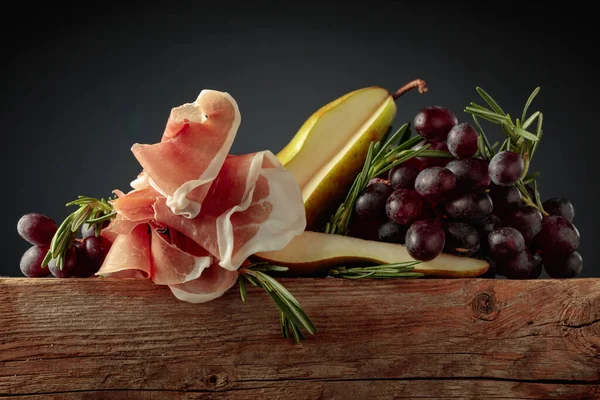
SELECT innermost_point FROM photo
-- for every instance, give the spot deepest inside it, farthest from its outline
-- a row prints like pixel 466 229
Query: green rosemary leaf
pixel 539 133
pixel 400 133
pixel 526 134
pixel 530 120
pixel 243 292
pixel 529 178
pixel 489 115
pixel 529 101
pixel 491 102
pixel 536 192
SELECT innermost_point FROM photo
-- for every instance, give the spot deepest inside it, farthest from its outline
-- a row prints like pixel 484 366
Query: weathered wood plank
pixel 314 390
pixel 489 338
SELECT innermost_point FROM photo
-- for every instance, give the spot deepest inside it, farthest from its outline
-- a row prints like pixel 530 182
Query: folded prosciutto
pixel 196 141
pixel 196 212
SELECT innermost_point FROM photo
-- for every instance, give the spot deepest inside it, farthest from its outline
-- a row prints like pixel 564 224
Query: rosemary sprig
pixel 385 271
pixel 380 158
pixel 518 139
pixel 92 211
pixel 292 316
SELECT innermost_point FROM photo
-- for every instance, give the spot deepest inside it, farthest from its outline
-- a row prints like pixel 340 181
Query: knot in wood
pixel 216 381
pixel 485 307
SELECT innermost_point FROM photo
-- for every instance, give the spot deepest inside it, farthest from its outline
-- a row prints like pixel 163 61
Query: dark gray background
pixel 79 88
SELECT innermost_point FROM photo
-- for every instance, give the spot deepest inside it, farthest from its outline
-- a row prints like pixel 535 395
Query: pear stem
pixel 417 83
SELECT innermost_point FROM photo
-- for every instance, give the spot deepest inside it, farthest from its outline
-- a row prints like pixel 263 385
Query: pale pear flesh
pixel 311 253
pixel 328 131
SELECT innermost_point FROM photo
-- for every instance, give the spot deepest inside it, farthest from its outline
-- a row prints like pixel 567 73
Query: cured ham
pixel 129 256
pixel 213 283
pixel 196 213
pixel 251 206
pixel 196 141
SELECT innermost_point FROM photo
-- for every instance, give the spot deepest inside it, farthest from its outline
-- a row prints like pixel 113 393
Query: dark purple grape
pixel 461 239
pixel 91 253
pixel 536 266
pixel 425 239
pixel 404 206
pixel 471 207
pixel 31 262
pixel 517 267
pixel 462 140
pixel 434 123
pixel 557 238
pixel 506 168
pixel 564 267
pixel 403 175
pixel 37 229
pixel 69 264
pixel 392 232
pixel 427 162
pixel 471 173
pixel 364 227
pixel 371 202
pixel 526 219
pixel 505 243
pixel 505 198
pixel 487 226
pixel 560 206
pixel 434 183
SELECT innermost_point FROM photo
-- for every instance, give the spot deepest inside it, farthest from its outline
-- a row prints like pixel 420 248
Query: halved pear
pixel 312 253
pixel 330 148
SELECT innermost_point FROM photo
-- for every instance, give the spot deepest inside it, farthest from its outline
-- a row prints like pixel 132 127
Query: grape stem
pixel 417 83
pixel 531 203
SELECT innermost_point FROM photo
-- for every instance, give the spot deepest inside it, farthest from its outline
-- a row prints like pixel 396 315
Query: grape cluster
pixel 467 206
pixel 83 259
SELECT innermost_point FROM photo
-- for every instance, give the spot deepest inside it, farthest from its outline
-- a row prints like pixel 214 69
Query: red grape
pixel 31 262
pixel 392 232
pixel 536 266
pixel 434 123
pixel 364 227
pixel 461 239
pixel 505 198
pixel 564 267
pixel 558 237
pixel 427 162
pixel 471 173
pixel 517 267
pixel 506 168
pixel 403 175
pixel 487 226
pixel 434 182
pixel 462 141
pixel 470 208
pixel 91 253
pixel 69 264
pixel 506 243
pixel 37 229
pixel 560 206
pixel 371 202
pixel 425 239
pixel 404 206
pixel 526 219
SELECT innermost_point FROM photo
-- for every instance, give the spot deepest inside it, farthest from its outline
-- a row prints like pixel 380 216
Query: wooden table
pixel 440 339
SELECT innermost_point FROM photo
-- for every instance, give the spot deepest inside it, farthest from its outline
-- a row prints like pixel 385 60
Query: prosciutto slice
pixel 171 264
pixel 196 213
pixel 213 283
pixel 196 141
pixel 129 256
pixel 253 205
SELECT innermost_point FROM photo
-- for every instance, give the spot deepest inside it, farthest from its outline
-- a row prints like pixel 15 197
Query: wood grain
pixel 430 338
